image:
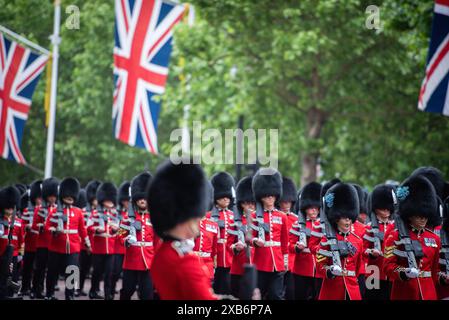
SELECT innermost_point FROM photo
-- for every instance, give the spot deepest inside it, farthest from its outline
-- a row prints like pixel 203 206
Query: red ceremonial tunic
pixel 39 221
pixel 119 246
pixel 291 219
pixel 240 258
pixel 367 245
pixel 17 238
pixel 224 221
pixel 423 287
pixel 360 230
pixel 68 240
pixel 305 261
pixel 179 274
pixel 340 287
pixel 139 256
pixel 206 244
pixel 270 257
pixel 101 232
pixel 30 235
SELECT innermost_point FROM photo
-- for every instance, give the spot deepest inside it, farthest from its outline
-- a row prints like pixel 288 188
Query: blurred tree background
pixel 343 96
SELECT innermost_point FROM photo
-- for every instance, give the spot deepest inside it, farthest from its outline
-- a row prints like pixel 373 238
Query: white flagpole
pixel 55 40
pixel 24 40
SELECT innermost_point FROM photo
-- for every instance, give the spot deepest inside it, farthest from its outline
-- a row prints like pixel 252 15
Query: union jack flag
pixel 20 69
pixel 143 43
pixel 434 95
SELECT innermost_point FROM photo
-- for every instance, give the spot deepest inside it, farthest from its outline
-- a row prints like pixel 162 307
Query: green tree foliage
pixel 341 95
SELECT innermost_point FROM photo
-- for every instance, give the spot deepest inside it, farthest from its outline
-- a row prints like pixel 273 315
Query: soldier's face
pixel 38 201
pixel 312 213
pixel 268 202
pixel 94 203
pixel 108 204
pixel 223 202
pixel 125 204
pixel 418 222
pixel 344 224
pixel 51 199
pixel 68 200
pixel 248 206
pixel 286 206
pixel 383 213
pixel 362 218
pixel 141 204
pixel 8 213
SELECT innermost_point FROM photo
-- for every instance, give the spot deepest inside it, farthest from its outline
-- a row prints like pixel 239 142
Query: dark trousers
pixel 307 288
pixel 117 269
pixel 362 285
pixel 40 268
pixel 85 264
pixel 222 281
pixel 235 285
pixel 289 286
pixel 57 264
pixel 102 269
pixel 27 271
pixel 133 279
pixel 383 293
pixel 270 284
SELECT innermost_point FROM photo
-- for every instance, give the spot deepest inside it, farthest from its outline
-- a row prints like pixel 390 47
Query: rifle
pixel 337 249
pixel 7 256
pixel 134 225
pixel 30 209
pixel 61 217
pixel 240 228
pixel 249 279
pixel 412 248
pixel 262 227
pixel 378 236
pixel 303 231
pixel 444 252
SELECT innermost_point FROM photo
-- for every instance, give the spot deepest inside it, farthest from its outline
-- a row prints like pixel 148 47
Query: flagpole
pixel 55 40
pixel 24 40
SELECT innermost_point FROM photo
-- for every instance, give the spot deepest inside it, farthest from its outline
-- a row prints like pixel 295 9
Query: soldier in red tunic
pixel 121 216
pixel 382 209
pixel 415 278
pixel 67 229
pixel 286 205
pixel 305 235
pixel 223 184
pixel 49 197
pixel 206 244
pixel 86 255
pixel 270 234
pixel 340 251
pixel 9 201
pixel 103 231
pixel 139 241
pixel 178 197
pixel 245 204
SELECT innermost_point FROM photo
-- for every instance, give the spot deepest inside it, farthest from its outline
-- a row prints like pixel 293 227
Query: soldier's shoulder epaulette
pixel 431 231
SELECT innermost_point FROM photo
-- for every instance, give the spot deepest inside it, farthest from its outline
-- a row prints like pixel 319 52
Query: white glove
pixel 131 239
pixel 336 270
pixel 19 258
pixel 412 273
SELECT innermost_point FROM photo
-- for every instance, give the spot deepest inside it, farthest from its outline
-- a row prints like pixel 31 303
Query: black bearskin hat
pixel 21 188
pixel 23 203
pixel 382 198
pixel 91 190
pixel 288 190
pixel 436 178
pixel 244 192
pixel 50 188
pixel 267 182
pixel 327 186
pixel 69 187
pixel 341 201
pixel 176 194
pixel 210 194
pixel 362 195
pixel 9 198
pixel 417 197
pixel 123 192
pixel 309 196
pixel 107 191
pixel 35 191
pixel 139 185
pixel 223 183
pixel 81 202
